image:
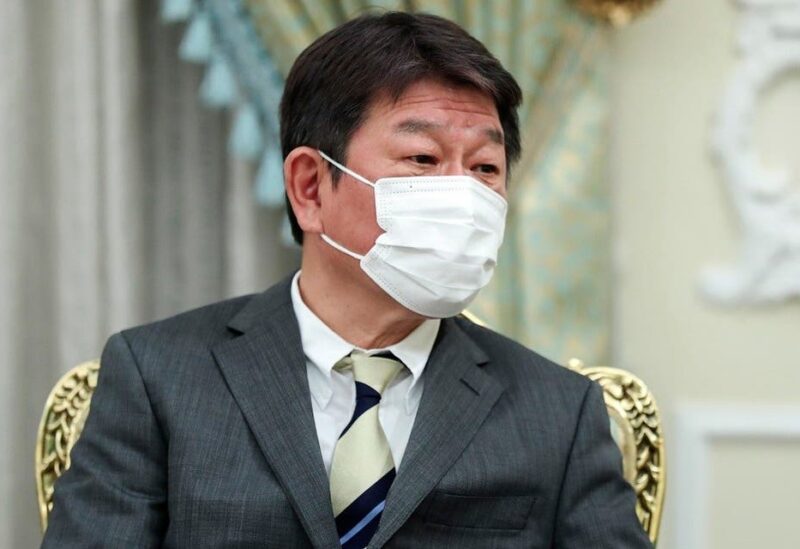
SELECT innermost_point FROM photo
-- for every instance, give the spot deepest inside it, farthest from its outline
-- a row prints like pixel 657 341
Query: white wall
pixel 673 217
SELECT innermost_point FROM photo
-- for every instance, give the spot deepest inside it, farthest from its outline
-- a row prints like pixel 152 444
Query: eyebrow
pixel 418 125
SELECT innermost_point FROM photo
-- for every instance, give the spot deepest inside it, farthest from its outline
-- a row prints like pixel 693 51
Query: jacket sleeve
pixel 597 506
pixel 114 493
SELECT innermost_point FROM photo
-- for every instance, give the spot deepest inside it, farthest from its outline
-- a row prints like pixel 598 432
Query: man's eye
pixel 488 169
pixel 422 159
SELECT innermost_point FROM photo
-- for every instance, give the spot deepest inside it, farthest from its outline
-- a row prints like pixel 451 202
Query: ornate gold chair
pixel 636 428
pixel 632 410
pixel 64 414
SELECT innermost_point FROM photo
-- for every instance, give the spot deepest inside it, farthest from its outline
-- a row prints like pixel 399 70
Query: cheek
pixel 350 217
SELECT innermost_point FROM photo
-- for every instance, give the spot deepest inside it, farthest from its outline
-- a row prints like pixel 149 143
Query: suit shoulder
pixel 518 363
pixel 200 326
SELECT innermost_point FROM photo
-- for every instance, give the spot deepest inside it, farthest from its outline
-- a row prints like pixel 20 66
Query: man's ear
pixel 303 172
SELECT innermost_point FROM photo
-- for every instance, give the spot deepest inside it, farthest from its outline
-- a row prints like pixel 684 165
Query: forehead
pixel 433 104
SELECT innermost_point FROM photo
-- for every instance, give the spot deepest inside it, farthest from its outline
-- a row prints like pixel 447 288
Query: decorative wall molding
pixel 697 427
pixel 766 201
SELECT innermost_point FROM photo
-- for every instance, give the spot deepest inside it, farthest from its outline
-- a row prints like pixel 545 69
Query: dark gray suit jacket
pixel 201 434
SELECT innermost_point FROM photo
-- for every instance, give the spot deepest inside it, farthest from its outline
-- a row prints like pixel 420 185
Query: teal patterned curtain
pixel 551 290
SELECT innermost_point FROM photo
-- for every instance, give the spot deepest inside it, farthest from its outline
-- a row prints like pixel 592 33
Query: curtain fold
pixel 119 205
pixel 552 287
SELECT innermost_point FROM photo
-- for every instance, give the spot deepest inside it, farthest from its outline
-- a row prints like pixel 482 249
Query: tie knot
pixel 375 371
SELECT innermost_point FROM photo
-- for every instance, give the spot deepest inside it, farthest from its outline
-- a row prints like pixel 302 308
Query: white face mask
pixel 441 240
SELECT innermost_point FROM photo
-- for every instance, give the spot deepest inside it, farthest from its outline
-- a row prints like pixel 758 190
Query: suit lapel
pixel 265 370
pixel 458 396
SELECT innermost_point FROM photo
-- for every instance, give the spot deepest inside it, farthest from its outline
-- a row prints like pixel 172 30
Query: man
pixel 349 405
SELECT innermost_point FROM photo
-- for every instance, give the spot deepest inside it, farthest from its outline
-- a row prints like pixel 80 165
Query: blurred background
pixel 654 219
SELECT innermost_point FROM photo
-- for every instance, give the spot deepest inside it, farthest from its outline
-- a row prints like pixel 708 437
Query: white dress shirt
pixel 333 393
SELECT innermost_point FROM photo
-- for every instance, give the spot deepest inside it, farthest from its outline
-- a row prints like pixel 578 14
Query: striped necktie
pixel 362 469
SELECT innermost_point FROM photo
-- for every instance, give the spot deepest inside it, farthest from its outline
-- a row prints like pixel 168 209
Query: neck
pixel 356 309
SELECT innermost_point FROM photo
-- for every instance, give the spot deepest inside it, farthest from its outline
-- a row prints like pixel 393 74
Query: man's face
pixel 432 129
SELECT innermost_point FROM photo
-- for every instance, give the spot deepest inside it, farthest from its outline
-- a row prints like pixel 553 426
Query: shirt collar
pixel 324 348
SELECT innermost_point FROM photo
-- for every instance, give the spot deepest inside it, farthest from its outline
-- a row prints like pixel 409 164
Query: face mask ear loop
pixel 348 171
pixel 341 248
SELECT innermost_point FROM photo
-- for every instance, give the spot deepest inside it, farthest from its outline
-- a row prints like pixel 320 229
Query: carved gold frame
pixel 616 12
pixel 636 428
pixel 64 415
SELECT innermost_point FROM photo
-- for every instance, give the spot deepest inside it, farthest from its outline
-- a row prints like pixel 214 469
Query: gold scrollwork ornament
pixel 61 425
pixel 616 12
pixel 636 428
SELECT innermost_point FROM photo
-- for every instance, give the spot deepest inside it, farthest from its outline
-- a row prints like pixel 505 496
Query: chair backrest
pixel 635 425
pixel 62 422
pixel 636 428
